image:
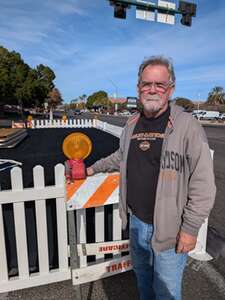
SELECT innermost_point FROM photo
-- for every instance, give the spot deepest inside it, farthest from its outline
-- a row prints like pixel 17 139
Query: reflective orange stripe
pixel 103 192
pixel 73 187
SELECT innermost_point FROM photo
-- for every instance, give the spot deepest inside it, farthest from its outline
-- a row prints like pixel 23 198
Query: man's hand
pixel 90 171
pixel 185 242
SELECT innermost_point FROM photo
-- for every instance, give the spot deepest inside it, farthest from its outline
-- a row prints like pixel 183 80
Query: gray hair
pixel 158 60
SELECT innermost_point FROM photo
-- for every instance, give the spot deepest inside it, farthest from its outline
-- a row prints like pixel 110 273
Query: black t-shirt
pixel 143 165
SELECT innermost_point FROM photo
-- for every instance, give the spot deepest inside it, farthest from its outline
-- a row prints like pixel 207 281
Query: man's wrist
pixel 189 229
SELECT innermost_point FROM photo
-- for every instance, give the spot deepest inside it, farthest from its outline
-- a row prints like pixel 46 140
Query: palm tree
pixel 216 96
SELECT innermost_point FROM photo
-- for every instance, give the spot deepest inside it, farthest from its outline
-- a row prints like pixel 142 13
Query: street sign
pixel 166 17
pixel 143 14
pixel 131 102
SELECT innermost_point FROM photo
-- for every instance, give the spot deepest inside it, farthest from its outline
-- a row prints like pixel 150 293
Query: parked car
pixel 125 113
pixel 198 113
pixel 77 112
pixel 222 117
pixel 210 115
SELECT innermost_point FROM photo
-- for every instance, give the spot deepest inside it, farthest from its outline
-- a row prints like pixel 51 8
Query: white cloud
pixel 66 7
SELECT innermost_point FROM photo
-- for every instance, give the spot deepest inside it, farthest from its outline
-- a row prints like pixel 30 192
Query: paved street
pixel 201 280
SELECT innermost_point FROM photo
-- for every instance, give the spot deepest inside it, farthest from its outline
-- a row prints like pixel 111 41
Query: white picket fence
pixel 77 123
pixel 39 193
pixel 70 123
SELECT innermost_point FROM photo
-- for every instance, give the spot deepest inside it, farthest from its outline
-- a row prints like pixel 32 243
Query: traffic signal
pixel 188 10
pixel 119 9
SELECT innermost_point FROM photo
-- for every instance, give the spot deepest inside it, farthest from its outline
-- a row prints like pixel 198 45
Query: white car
pixel 210 115
pixel 222 116
pixel 125 113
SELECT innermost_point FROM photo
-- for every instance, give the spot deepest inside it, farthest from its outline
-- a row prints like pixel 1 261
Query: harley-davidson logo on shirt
pixel 144 146
pixel 148 136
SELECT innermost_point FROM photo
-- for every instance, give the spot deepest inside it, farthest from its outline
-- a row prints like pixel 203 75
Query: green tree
pixel 216 96
pixel 20 84
pixel 45 76
pixel 185 103
pixel 13 72
pixel 97 98
pixel 54 98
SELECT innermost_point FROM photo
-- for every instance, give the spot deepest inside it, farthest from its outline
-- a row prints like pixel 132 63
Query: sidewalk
pixel 197 285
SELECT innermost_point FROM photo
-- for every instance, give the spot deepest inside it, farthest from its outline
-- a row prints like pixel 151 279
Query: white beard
pixel 152 103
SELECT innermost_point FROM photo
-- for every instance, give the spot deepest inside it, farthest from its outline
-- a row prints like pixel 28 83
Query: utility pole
pixel 116 92
pixel 165 10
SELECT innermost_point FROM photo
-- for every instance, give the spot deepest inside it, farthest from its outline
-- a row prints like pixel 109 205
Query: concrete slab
pixel 10 137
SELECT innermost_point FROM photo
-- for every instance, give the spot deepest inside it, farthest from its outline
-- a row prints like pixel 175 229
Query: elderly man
pixel 166 182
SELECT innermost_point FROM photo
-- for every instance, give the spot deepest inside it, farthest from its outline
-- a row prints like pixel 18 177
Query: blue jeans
pixel 159 275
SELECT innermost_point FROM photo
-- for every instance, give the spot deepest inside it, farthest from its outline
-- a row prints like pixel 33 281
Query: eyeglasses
pixel 161 87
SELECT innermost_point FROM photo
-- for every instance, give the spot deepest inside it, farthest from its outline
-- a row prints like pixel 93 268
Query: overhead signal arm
pixel 187 10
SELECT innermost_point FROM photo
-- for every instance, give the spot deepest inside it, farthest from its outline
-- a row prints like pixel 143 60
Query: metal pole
pixel 74 259
pixel 113 83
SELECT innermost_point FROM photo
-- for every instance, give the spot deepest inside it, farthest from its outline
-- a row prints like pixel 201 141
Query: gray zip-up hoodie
pixel 186 186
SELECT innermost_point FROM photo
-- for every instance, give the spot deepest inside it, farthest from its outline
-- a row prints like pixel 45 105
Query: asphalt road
pixel 202 280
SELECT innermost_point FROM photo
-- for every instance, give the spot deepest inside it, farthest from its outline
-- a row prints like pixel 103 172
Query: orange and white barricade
pixel 94 191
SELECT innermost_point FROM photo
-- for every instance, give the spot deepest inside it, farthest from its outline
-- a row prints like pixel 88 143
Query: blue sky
pixel 90 50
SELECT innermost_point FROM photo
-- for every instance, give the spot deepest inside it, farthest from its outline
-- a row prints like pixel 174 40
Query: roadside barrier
pixel 65 123
pixel 94 191
pixel 71 123
pixel 83 272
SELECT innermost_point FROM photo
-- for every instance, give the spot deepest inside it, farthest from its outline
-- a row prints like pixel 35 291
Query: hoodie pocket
pixel 167 220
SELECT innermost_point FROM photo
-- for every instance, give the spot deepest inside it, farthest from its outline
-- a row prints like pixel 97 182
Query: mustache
pixel 152 97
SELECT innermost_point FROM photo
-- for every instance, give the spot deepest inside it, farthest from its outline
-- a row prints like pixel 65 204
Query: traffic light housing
pixel 188 10
pixel 119 9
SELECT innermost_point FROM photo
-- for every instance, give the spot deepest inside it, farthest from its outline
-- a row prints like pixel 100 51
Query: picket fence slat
pixel 3 261
pixel 61 219
pixel 117 233
pixel 99 229
pixel 41 221
pixel 20 225
pixel 81 233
